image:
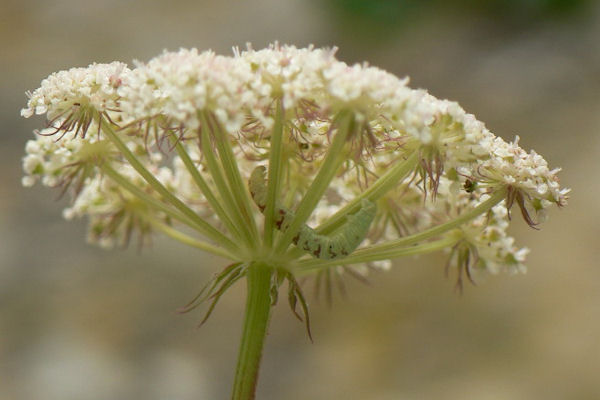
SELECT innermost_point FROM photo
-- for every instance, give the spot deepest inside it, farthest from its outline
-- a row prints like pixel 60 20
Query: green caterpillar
pixel 340 244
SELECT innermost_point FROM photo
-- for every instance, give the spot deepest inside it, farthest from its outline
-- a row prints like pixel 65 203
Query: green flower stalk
pixel 282 161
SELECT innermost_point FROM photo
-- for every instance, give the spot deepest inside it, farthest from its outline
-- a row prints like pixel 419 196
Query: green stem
pixel 156 204
pixel 382 185
pixel 482 208
pixel 203 226
pixel 205 189
pixel 190 241
pixel 256 321
pixel 334 158
pixel 274 177
pixel 216 172
pixel 232 173
pixel 145 197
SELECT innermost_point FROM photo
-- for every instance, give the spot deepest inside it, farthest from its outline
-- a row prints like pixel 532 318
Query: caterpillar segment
pixel 343 242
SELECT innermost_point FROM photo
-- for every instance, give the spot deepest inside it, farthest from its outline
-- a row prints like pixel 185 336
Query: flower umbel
pixel 348 169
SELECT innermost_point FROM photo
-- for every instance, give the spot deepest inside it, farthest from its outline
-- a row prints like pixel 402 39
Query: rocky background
pixel 80 323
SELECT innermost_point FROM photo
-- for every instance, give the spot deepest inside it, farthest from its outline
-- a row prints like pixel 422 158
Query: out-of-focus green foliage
pixel 533 9
pixel 385 14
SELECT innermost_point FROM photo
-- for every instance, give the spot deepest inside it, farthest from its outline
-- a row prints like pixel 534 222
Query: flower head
pixel 530 182
pixel 179 85
pixel 72 100
pixel 179 136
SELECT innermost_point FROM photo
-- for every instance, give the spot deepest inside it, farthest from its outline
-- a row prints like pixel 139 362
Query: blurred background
pixel 80 323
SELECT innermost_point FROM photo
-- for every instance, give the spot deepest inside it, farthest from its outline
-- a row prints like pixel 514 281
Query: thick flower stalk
pixel 283 161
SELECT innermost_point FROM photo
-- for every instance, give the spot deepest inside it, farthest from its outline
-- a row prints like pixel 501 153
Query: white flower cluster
pixel 485 238
pixel 180 85
pixel 46 160
pixel 94 86
pixel 491 249
pixel 529 173
pixel 178 93
pixel 288 73
pixel 114 214
pixel 496 249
